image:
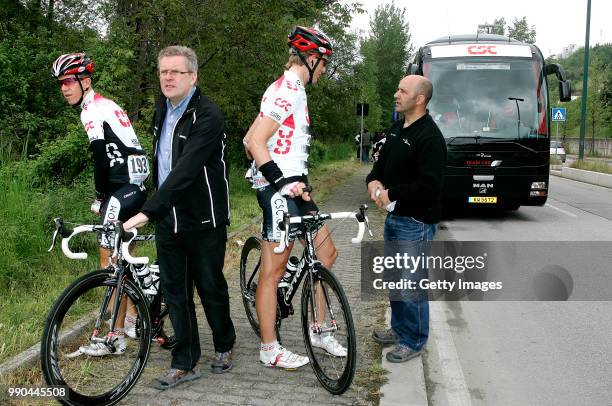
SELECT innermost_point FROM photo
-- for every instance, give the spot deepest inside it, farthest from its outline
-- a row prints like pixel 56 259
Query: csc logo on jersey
pixel 482 50
pixel 283 104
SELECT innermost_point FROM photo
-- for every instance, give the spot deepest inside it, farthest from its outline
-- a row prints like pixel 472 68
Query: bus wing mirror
pixel 565 88
pixel 565 91
pixel 413 69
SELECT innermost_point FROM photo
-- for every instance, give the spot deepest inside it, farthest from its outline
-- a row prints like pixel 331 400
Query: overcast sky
pixel 557 23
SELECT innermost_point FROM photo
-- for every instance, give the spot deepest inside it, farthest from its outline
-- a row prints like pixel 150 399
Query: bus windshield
pixel 498 98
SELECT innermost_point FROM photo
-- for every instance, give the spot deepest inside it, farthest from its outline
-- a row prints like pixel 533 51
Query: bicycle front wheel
pixel 329 332
pixel 79 320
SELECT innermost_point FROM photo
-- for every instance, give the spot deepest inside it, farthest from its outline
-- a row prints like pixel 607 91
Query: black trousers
pixel 188 260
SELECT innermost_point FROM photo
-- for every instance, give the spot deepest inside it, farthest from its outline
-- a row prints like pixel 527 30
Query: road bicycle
pixel 325 309
pixel 86 312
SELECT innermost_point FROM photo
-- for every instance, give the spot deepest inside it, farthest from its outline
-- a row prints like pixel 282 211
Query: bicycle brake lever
pixel 53 239
pixel 59 229
pixel 368 226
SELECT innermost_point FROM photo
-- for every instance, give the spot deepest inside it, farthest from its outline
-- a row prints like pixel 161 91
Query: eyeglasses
pixel 171 73
pixel 66 81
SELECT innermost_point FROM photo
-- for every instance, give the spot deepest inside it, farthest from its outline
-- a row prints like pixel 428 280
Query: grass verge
pixel 592 166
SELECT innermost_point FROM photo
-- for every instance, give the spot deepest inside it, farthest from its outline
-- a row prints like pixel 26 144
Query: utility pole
pixel 585 80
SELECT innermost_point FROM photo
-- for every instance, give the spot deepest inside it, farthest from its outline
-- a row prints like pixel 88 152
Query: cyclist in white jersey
pixel 120 168
pixel 278 142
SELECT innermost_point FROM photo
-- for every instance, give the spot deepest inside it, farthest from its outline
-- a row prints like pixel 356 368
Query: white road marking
pixel 561 210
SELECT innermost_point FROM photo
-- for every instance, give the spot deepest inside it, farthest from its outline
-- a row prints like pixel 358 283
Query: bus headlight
pixel 538 186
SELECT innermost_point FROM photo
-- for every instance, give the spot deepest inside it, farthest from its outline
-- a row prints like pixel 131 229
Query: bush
pixel 63 159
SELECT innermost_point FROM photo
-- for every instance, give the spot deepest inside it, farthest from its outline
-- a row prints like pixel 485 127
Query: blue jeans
pixel 409 318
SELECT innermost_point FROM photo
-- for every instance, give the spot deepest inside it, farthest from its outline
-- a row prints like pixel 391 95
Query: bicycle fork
pixel 118 293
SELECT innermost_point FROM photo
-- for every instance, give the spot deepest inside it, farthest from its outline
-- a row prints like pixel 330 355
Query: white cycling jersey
pixel 285 102
pixel 104 120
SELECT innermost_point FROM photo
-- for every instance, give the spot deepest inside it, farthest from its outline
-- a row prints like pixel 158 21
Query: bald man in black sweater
pixel 407 180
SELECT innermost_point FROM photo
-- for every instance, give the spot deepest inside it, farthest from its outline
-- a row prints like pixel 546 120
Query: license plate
pixel 482 199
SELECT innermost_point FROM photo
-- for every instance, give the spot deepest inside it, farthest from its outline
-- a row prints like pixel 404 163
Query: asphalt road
pixel 530 352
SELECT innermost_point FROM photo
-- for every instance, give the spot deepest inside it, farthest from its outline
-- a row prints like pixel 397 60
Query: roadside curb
pixel 25 358
pixel 406 381
pixel 580 175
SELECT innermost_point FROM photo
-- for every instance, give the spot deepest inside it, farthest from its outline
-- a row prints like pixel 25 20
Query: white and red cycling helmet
pixel 78 64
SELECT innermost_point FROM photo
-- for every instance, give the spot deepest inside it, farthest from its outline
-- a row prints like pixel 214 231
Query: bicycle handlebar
pixel 66 240
pixel 126 240
pixel 126 237
pixel 360 216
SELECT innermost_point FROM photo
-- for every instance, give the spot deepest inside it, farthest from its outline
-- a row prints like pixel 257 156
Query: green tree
pixel 520 30
pixel 497 27
pixel 391 40
pixel 366 75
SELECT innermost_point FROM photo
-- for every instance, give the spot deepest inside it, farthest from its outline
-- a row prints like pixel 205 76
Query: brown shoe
pixel 402 353
pixel 173 377
pixel 385 337
pixel 222 362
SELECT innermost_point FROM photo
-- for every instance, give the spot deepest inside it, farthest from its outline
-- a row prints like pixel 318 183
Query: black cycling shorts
pixel 274 206
pixel 122 204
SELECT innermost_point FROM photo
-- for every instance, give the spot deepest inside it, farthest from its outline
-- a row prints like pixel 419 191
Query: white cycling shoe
pixel 115 345
pixel 282 358
pixel 329 343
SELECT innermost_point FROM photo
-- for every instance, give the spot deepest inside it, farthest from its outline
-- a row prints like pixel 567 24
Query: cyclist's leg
pixel 326 253
pixel 131 198
pixel 121 205
pixel 272 269
pixel 325 249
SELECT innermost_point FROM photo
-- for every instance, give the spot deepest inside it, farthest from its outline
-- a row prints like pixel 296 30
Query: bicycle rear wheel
pixel 250 264
pixel 79 318
pixel 328 318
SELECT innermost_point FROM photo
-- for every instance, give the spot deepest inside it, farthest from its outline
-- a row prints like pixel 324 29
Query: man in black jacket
pixel 407 180
pixel 191 213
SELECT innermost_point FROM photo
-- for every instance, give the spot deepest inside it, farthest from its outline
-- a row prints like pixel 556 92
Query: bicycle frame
pixel 309 259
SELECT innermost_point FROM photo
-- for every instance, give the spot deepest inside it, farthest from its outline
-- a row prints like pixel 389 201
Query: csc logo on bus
pixel 482 50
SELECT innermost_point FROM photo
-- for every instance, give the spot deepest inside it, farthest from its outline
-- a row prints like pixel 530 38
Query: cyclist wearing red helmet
pixel 278 141
pixel 120 167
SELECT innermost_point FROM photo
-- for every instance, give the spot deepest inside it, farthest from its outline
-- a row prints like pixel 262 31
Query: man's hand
pixel 373 187
pixel 95 206
pixel 137 221
pixel 382 198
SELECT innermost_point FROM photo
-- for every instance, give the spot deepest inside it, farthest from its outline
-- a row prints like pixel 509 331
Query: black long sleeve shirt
pixel 411 166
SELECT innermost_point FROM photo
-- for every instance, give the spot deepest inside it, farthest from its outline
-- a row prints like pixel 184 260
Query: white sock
pixel 270 347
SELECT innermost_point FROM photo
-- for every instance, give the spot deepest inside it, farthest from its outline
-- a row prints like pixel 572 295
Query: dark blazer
pixel 195 195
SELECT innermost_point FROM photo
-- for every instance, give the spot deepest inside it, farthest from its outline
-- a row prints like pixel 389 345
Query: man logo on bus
pixel 482 50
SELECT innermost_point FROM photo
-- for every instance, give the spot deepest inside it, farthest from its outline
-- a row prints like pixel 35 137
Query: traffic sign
pixel 558 114
pixel 363 109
